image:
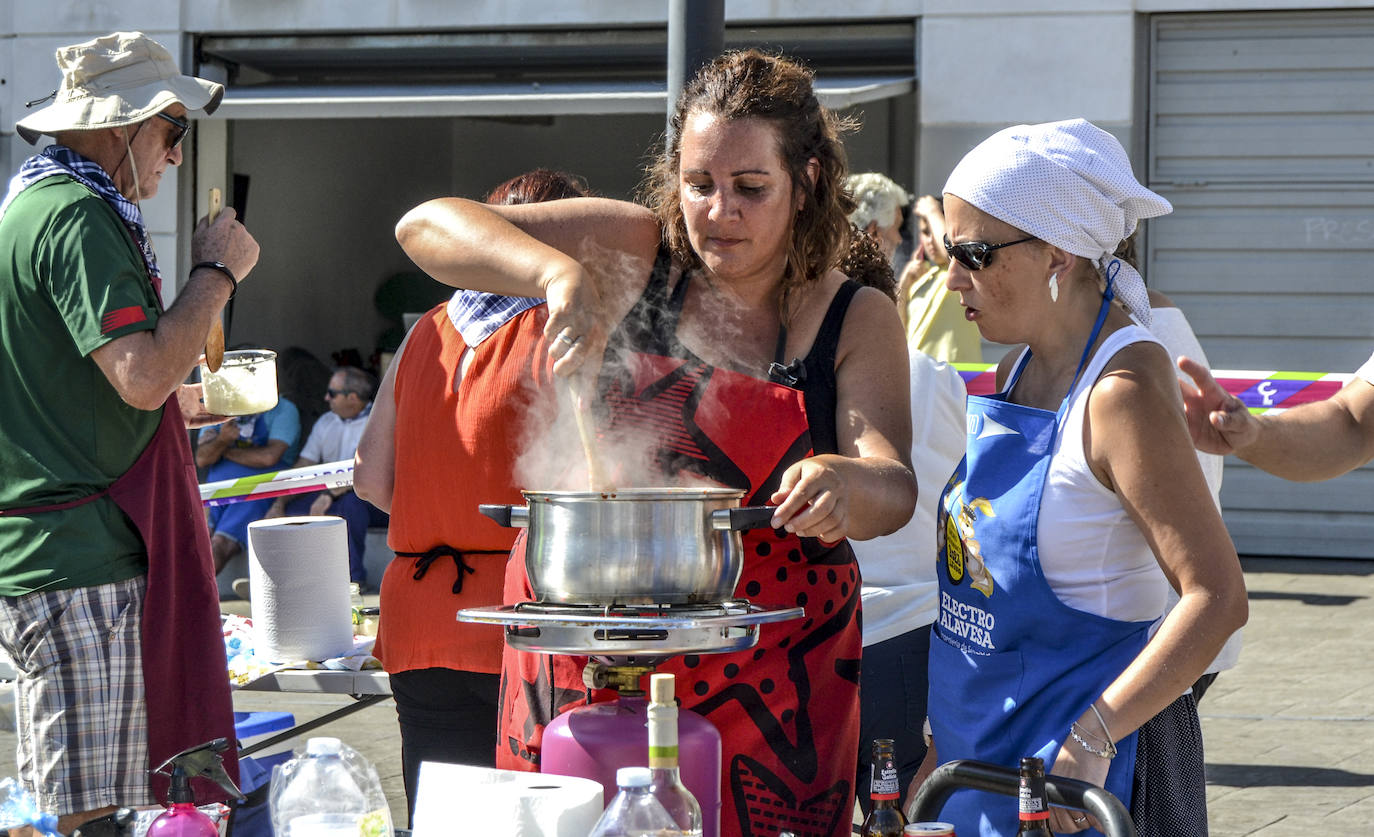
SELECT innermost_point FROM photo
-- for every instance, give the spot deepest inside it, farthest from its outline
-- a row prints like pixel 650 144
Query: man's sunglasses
pixel 183 128
pixel 335 393
pixel 976 255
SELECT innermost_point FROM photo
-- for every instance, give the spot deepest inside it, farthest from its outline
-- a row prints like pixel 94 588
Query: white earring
pixel 1054 287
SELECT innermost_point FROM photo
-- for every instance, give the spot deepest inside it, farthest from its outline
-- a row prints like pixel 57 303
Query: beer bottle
pixel 885 819
pixel 1034 807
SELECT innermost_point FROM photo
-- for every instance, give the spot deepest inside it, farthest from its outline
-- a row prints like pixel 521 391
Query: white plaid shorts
pixel 82 723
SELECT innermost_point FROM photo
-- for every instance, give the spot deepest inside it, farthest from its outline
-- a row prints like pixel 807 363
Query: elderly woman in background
pixel 705 298
pixel 1079 501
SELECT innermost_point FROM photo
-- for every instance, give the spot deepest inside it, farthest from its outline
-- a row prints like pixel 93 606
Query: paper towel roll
pixel 462 799
pixel 298 575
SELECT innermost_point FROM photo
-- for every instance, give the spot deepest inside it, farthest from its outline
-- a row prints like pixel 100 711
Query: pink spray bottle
pixel 182 818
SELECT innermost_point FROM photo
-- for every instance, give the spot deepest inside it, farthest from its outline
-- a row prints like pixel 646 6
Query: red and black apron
pixel 787 709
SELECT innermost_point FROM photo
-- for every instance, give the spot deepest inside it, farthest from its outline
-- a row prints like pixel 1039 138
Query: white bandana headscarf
pixel 1066 183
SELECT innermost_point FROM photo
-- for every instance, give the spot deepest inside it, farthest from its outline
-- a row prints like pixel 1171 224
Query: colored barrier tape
pixel 1261 391
pixel 278 483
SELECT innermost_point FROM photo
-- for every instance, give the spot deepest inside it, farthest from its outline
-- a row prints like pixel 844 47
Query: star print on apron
pixel 787 709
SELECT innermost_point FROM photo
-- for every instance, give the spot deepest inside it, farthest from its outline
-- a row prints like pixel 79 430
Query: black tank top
pixel 651 328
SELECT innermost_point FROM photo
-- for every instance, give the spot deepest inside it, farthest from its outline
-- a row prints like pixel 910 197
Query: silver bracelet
pixel 1105 731
pixel 1108 752
pixel 1082 730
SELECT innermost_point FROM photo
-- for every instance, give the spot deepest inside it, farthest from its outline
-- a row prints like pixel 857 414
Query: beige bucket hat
pixel 118 79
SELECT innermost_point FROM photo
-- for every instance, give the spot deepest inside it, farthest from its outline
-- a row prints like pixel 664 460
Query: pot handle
pixel 512 517
pixel 742 518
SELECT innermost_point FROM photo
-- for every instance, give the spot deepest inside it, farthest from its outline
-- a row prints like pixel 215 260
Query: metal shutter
pixel 1261 132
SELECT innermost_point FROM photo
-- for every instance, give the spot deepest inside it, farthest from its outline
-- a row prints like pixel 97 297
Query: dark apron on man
pixel 185 675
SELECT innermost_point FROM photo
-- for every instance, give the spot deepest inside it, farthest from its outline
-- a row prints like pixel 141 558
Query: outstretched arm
pixel 1311 442
pixel 576 253
pixel 145 367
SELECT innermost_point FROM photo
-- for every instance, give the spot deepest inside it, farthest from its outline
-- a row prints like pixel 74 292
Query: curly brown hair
pixel 749 84
pixel 865 263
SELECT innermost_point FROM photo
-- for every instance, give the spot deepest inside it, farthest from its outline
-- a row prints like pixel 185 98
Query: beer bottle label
pixel 884 781
pixel 1032 801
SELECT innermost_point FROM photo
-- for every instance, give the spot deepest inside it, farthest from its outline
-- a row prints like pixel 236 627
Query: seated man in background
pixel 245 447
pixel 333 438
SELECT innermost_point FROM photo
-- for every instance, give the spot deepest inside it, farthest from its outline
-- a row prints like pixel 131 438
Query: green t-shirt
pixel 71 280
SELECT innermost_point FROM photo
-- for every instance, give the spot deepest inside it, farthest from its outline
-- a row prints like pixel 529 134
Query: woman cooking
pixel 1079 500
pixel 706 297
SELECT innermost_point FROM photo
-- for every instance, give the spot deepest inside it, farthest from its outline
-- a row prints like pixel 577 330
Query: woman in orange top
pixel 445 432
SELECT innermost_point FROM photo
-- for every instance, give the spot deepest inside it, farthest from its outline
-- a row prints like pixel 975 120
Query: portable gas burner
pixel 630 634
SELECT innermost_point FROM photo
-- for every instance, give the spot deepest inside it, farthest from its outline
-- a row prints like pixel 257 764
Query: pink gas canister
pixel 595 741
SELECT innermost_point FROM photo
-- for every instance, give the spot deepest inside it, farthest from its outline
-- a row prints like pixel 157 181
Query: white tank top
pixel 1091 552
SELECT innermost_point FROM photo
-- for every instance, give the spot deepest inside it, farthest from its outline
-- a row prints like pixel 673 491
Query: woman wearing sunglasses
pixel 1079 501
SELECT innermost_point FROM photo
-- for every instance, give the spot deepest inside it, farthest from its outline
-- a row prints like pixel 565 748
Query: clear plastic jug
pixel 634 812
pixel 329 790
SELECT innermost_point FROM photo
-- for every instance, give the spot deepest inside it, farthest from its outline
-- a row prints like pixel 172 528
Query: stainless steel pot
pixel 633 546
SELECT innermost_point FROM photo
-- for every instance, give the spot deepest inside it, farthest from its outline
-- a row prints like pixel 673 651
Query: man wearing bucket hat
pixel 107 597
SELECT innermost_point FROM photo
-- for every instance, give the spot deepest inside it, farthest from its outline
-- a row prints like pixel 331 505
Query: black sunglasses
pixel 335 393
pixel 183 128
pixel 976 255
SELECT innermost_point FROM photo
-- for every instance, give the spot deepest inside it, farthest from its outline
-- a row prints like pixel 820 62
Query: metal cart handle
pixel 978 775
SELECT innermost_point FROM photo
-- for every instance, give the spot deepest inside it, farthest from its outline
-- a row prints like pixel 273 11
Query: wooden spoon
pixel 214 341
pixel 596 477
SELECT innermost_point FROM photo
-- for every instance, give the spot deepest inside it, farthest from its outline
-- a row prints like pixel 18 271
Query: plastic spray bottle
pixel 182 818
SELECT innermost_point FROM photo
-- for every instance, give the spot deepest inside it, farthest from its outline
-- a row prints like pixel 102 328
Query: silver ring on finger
pixel 564 338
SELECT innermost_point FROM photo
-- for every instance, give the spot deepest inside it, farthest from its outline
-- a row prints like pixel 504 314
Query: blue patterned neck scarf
pixel 477 315
pixel 59 159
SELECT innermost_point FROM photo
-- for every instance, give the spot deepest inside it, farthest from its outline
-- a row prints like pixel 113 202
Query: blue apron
pixel 1011 665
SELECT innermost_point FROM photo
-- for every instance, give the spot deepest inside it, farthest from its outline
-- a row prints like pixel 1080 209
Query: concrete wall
pixel 987 65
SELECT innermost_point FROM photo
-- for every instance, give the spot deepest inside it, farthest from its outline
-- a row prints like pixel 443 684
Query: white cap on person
pixel 1069 184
